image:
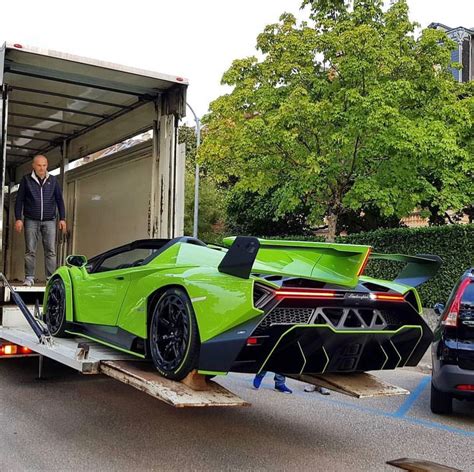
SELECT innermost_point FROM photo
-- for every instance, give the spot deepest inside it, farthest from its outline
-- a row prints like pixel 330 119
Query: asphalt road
pixel 74 422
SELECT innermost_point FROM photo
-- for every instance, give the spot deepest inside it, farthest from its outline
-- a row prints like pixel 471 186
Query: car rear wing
pixel 418 269
pixel 327 262
pixel 340 264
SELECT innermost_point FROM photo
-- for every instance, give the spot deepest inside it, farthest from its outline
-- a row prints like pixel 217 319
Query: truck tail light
pixel 8 349
pixel 452 314
pixel 11 349
pixel 465 387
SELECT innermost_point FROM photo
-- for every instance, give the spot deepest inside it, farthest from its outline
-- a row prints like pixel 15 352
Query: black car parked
pixel 453 348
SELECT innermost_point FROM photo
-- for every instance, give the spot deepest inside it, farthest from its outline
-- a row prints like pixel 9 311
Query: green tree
pixel 344 112
pixel 254 214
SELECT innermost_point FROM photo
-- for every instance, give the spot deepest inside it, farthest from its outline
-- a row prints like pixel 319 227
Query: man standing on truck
pixel 38 197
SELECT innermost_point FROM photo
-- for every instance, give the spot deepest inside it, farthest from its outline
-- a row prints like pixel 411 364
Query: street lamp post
pixel 196 176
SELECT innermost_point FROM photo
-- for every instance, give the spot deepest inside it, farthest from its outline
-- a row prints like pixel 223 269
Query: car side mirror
pixel 438 308
pixel 76 261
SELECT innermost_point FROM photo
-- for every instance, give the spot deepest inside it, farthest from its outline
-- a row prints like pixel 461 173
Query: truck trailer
pixel 72 109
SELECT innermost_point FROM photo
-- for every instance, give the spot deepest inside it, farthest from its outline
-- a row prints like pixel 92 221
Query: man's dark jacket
pixel 39 199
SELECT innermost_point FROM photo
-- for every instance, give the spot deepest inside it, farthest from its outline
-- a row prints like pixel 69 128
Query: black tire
pixel 173 336
pixel 55 313
pixel 441 403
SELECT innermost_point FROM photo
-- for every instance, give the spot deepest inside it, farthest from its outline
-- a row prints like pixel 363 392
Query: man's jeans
pixel 278 378
pixel 33 230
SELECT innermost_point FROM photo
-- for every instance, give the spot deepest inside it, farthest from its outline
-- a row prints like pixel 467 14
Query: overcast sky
pixel 190 38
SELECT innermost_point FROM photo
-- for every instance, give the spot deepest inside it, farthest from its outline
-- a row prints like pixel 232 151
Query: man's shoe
pixel 283 389
pixel 257 381
pixel 29 281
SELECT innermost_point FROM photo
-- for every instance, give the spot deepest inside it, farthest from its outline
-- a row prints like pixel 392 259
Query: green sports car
pixel 286 306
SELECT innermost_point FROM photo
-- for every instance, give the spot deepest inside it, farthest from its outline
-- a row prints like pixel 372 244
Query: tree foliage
pixel 344 112
pixel 254 214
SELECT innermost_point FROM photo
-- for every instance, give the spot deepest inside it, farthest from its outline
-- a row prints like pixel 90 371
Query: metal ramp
pixel 94 358
pixel 67 351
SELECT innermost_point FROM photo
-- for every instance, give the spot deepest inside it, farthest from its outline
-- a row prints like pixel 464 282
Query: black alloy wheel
pixel 174 340
pixel 55 314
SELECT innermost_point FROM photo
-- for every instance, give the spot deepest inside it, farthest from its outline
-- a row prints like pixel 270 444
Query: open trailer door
pixel 3 144
pixel 69 107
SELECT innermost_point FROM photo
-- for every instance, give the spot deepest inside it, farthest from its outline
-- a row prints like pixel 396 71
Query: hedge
pixel 453 243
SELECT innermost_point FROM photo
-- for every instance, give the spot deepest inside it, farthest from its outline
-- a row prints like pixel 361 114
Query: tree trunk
pixel 332 224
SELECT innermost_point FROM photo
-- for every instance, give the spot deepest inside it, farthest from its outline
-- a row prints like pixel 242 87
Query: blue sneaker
pixel 257 381
pixel 282 388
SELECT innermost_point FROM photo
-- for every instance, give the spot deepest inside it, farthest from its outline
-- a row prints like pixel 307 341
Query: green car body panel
pixel 114 304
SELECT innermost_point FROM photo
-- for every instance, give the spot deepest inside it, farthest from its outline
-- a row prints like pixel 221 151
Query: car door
pixel 99 292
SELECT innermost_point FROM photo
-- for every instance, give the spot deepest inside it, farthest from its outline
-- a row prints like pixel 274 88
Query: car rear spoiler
pixel 340 264
pixel 418 269
pixel 326 262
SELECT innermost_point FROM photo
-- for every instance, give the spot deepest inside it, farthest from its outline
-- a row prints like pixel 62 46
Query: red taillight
pixel 18 46
pixel 465 387
pixel 329 294
pixel 26 350
pixel 252 341
pixel 364 263
pixel 452 314
pixel 301 293
pixel 386 297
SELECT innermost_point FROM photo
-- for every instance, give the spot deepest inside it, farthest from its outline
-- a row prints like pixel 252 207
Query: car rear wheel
pixel 174 338
pixel 55 313
pixel 441 402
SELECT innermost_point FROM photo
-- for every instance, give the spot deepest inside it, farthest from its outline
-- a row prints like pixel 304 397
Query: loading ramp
pixel 194 391
pixel 93 358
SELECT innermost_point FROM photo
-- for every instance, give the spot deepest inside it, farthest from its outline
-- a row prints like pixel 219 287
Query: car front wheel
pixel 441 402
pixel 55 313
pixel 174 338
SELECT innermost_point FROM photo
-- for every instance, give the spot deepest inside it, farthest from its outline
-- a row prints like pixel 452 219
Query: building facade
pixel 464 53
